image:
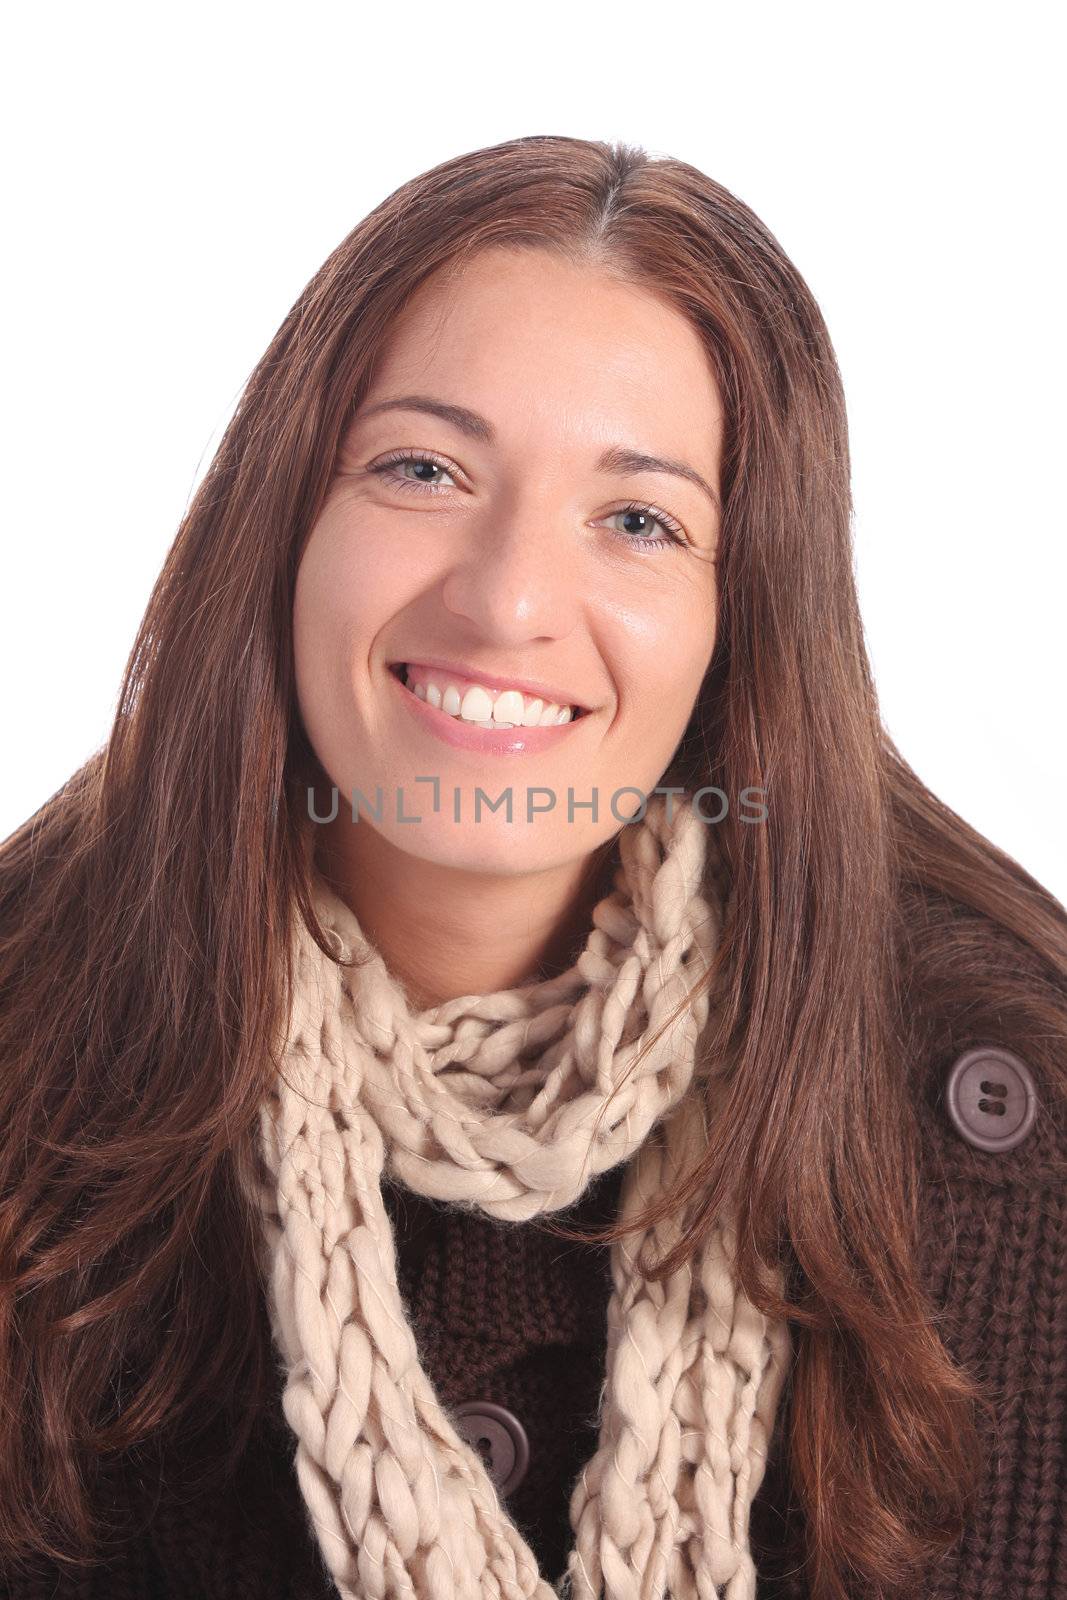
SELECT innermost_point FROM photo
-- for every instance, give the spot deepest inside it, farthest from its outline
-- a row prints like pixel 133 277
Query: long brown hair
pixel 145 908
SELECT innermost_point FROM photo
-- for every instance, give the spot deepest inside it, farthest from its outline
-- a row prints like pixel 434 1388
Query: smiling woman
pixel 522 1179
pixel 520 567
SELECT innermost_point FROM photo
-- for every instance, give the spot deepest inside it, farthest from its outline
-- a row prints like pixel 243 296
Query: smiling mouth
pixel 479 707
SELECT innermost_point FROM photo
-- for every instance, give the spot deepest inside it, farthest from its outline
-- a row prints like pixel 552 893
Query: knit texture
pixel 515 1316
pixel 993 1262
pixel 511 1104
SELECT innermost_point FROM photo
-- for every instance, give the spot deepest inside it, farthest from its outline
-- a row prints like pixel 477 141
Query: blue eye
pixel 634 509
pixel 387 469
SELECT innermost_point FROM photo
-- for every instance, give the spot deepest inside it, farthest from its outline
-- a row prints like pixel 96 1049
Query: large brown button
pixel 499 1437
pixel 991 1098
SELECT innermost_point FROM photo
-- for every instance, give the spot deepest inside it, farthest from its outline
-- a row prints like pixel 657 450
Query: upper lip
pixel 547 692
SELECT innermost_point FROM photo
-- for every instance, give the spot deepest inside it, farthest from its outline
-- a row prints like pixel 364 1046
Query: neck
pixel 446 931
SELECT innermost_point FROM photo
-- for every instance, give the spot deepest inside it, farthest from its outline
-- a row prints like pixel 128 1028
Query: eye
pixel 674 533
pixel 401 458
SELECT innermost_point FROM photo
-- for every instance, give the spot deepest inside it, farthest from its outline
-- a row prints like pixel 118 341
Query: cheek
pixel 318 610
pixel 661 652
pixel 329 623
pixel 349 585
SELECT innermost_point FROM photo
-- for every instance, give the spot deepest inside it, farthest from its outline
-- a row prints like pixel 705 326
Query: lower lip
pixel 485 741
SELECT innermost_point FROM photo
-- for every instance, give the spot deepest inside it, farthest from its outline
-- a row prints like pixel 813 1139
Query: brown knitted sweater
pixel 508 1314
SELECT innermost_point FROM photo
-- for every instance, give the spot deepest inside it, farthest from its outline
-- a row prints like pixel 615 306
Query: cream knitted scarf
pixel 513 1102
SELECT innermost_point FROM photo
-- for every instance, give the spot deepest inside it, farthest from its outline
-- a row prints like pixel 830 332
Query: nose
pixel 516 578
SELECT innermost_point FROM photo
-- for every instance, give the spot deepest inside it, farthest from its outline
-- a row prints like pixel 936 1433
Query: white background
pixel 174 177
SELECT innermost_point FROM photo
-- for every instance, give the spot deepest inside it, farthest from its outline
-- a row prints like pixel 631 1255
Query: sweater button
pixel 991 1099
pixel 499 1437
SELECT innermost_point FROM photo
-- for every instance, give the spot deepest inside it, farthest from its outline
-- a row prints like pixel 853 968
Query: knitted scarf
pixel 513 1102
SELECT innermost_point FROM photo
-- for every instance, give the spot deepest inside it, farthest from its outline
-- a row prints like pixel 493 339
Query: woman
pixel 512 1085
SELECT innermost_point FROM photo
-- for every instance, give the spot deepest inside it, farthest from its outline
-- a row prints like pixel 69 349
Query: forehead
pixel 562 345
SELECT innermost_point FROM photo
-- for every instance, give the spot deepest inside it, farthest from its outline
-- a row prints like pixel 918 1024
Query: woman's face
pixel 501 572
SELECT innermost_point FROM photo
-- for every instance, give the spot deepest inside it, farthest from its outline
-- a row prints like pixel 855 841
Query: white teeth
pixel 477 706
pixel 509 709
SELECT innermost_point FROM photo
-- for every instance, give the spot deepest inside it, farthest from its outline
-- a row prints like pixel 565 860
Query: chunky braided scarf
pixel 514 1102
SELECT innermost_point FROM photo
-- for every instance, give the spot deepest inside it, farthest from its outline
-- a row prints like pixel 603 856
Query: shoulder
pixel 983 1024
pixel 988 1070
pixel 985 1042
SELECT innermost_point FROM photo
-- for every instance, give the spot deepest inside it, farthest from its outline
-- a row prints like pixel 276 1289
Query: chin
pixel 478 847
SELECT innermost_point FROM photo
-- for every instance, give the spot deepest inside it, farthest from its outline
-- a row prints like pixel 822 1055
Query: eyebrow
pixel 615 459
